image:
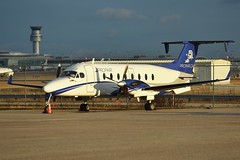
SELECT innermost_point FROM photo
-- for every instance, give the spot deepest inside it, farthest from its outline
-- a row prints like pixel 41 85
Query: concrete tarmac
pixel 184 134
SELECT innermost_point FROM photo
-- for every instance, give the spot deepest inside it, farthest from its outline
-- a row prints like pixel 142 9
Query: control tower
pixel 36 38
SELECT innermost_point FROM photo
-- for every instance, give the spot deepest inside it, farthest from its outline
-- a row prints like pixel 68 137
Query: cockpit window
pixel 69 74
pixel 82 75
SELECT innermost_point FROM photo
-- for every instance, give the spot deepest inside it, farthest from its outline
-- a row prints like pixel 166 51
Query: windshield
pixel 69 74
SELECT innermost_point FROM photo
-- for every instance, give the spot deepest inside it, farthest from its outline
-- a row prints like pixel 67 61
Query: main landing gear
pixel 149 106
pixel 84 107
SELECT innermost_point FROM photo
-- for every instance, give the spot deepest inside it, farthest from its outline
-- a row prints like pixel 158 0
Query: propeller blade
pixel 59 70
pixel 54 98
pixel 124 73
pixel 121 84
pixel 111 79
pixel 118 95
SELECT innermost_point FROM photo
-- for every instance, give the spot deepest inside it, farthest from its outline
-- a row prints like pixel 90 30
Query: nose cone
pixel 121 83
pixel 52 85
pixel 48 88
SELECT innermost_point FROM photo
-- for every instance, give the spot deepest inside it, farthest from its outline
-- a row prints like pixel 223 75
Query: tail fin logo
pixel 189 56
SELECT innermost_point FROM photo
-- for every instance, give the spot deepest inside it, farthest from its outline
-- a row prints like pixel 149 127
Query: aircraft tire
pixel 84 107
pixel 149 107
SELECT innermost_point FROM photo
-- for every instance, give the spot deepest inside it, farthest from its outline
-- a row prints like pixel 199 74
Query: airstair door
pixel 90 78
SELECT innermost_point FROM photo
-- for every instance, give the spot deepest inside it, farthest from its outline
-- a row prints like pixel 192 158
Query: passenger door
pixel 90 78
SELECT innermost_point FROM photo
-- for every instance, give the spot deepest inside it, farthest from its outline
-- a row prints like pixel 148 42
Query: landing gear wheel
pixel 84 107
pixel 149 107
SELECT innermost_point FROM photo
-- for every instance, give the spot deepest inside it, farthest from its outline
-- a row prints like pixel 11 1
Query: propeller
pixel 59 70
pixel 125 72
pixel 121 84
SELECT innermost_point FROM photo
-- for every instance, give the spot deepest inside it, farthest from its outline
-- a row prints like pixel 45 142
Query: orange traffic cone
pixel 49 110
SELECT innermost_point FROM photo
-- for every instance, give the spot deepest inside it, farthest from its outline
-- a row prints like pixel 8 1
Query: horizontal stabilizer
pixel 226 43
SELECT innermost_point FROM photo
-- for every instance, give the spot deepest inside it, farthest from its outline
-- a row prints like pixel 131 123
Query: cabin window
pixel 132 76
pixel 118 76
pixel 104 76
pixel 152 76
pixel 146 77
pixel 69 74
pixel 111 76
pixel 139 77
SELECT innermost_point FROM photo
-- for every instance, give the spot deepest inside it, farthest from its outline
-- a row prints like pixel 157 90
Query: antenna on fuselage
pixel 93 60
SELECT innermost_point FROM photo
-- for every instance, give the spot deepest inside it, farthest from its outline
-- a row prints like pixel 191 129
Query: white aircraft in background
pixel 6 71
pixel 43 67
pixel 88 80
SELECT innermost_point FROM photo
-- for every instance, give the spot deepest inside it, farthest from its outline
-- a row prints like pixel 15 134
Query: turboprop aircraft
pixel 89 79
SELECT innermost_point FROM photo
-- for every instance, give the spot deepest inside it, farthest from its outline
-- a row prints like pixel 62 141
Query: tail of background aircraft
pixel 187 57
pixel 45 62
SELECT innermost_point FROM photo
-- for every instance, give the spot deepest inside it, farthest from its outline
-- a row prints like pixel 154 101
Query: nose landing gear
pixel 48 108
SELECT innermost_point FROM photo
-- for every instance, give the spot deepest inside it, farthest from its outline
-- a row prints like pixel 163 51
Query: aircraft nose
pixel 54 85
pixel 47 88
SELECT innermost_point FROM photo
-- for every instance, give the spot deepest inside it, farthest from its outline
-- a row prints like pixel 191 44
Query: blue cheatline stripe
pixel 60 91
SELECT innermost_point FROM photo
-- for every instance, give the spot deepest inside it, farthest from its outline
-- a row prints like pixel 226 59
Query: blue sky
pixel 123 28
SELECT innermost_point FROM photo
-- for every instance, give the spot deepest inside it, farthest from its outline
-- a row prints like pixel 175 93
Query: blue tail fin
pixel 187 57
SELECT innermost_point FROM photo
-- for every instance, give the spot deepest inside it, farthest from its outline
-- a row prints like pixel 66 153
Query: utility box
pixel 212 69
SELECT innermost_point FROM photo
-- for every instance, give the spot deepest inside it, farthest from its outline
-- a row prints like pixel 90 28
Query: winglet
pixel 10 79
pixel 226 45
pixel 228 75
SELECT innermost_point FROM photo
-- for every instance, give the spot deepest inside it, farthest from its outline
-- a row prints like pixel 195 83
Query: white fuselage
pixel 87 79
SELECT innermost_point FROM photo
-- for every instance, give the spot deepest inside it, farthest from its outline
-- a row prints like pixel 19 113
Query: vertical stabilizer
pixel 187 57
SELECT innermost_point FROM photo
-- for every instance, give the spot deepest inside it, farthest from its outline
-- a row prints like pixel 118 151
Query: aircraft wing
pixel 24 85
pixel 181 85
